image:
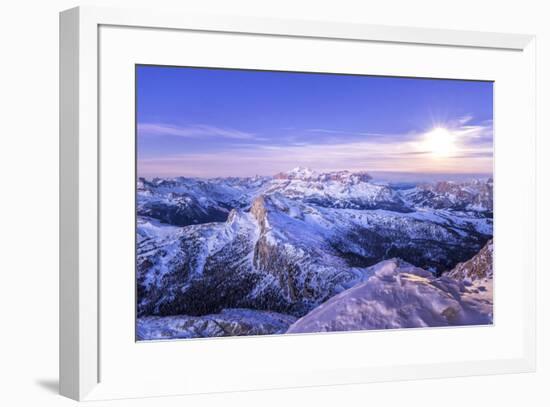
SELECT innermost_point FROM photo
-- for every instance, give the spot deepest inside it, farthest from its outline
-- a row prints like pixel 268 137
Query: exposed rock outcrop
pixel 477 268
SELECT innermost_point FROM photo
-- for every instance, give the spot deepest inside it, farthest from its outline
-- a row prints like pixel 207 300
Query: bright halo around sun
pixel 440 142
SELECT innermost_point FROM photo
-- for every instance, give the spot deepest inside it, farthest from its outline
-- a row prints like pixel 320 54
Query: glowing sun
pixel 440 142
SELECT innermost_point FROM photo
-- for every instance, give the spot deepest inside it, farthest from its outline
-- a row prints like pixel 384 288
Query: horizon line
pixel 374 172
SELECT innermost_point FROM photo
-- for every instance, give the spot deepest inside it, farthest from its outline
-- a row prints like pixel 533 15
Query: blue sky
pixel 219 122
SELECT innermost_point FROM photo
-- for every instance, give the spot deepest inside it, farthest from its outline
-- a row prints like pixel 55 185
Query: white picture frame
pixel 82 339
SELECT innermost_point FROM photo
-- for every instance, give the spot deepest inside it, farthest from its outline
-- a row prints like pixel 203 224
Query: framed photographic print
pixel 291 203
pixel 255 214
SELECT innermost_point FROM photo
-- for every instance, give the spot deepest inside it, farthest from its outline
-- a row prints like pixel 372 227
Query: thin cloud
pixel 414 153
pixel 474 154
pixel 192 131
pixel 344 132
pixel 462 121
pixel 405 152
pixel 269 160
pixel 475 135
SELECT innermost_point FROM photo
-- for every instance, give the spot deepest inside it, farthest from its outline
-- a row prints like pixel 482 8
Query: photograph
pixel 280 202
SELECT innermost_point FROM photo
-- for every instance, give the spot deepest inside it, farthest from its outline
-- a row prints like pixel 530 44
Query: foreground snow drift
pixel 399 295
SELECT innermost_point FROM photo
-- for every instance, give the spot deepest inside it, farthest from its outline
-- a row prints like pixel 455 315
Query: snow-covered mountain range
pixel 274 249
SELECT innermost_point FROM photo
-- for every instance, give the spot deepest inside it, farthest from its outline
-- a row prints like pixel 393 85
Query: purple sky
pixel 220 122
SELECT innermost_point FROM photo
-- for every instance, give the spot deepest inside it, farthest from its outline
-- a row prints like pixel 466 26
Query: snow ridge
pixel 399 295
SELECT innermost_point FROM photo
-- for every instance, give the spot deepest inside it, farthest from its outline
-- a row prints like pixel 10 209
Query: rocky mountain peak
pixel 476 195
pixel 477 268
pixel 259 211
pixel 307 174
pixel 301 173
pixel 347 176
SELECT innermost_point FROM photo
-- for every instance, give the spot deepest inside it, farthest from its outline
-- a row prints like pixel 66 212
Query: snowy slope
pixel 229 322
pixel 475 195
pixel 184 269
pixel 187 201
pixel 399 295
